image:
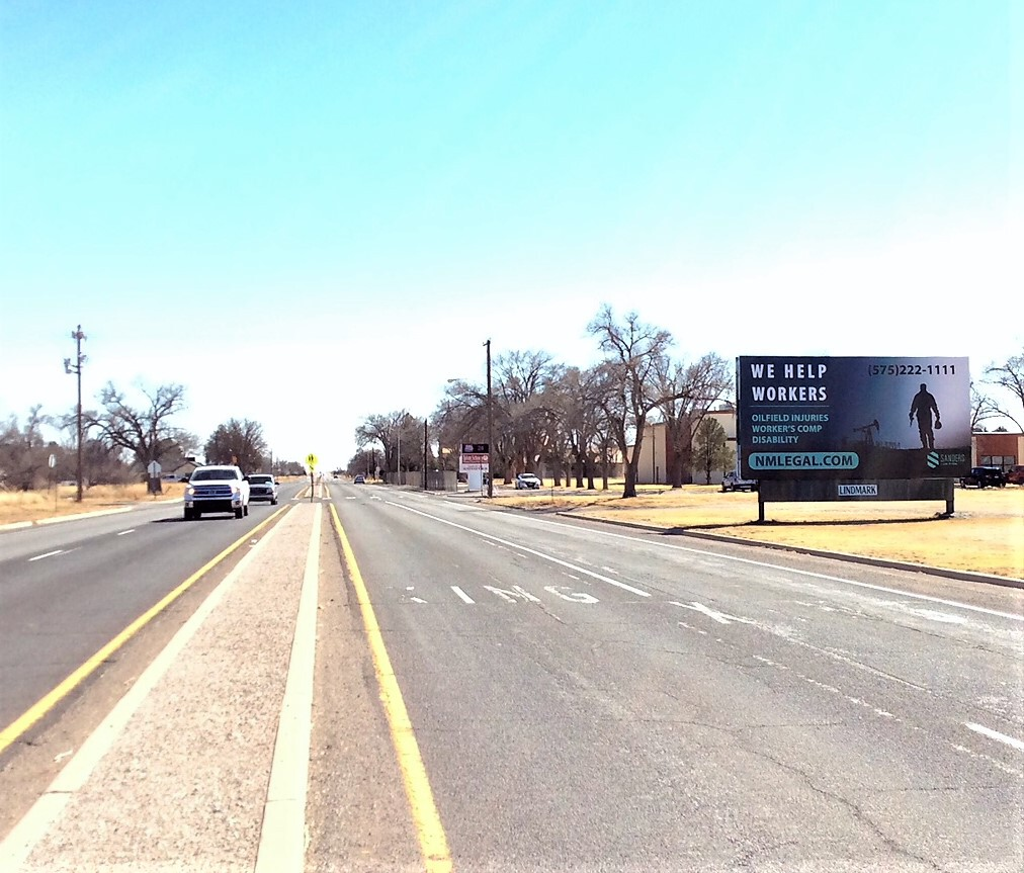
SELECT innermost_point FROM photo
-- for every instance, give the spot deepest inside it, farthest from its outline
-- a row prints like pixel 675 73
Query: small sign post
pixel 154 469
pixel 51 463
pixel 311 462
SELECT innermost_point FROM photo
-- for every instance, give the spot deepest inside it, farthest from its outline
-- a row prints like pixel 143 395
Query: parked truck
pixel 733 481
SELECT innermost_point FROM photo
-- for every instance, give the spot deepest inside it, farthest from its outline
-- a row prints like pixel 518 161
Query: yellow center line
pixel 38 710
pixel 429 830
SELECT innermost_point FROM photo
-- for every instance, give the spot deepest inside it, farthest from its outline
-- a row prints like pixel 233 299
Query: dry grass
pixel 35 505
pixel 985 534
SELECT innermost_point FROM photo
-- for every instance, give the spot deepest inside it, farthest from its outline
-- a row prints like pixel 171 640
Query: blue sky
pixel 307 213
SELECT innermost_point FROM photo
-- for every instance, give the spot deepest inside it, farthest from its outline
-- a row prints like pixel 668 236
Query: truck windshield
pixel 199 475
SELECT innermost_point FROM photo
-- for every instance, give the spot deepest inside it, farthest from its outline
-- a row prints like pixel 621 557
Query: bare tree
pixel 521 415
pixel 400 436
pixel 983 408
pixel 1010 377
pixel 688 392
pixel 24 452
pixel 576 404
pixel 238 442
pixel 144 432
pixel 634 353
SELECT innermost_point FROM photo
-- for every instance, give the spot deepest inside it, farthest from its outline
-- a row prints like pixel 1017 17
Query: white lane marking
pixel 528 551
pixel 720 617
pixel 701 631
pixel 935 615
pixel 122 533
pixel 572 596
pixel 417 600
pixel 999 765
pixel 809 573
pixel 610 570
pixel 47 555
pixel 836 656
pixel 462 594
pixel 1013 742
pixel 513 594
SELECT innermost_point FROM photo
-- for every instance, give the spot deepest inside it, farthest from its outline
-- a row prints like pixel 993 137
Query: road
pixel 68 588
pixel 586 697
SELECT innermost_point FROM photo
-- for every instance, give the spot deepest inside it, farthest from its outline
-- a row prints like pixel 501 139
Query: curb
pixel 888 563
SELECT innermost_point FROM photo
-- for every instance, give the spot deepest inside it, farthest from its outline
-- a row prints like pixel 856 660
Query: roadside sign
pixel 52 462
pixel 475 448
pixel 154 469
pixel 312 461
pixel 474 461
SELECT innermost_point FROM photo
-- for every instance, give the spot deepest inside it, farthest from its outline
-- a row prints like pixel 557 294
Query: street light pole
pixel 490 425
pixel 76 368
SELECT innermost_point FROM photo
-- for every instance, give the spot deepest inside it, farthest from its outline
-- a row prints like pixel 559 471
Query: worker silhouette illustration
pixel 923 406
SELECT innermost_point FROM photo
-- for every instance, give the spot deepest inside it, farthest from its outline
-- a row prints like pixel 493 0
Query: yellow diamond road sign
pixel 311 461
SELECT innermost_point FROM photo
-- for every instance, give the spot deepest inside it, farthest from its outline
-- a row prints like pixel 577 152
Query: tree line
pixel 120 438
pixel 573 421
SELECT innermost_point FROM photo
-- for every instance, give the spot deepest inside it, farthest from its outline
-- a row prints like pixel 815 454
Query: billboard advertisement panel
pixel 853 418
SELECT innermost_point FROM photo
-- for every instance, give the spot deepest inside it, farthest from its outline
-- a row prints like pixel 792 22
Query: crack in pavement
pixel 858 813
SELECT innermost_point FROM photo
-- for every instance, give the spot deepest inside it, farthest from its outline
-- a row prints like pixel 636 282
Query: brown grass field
pixel 985 534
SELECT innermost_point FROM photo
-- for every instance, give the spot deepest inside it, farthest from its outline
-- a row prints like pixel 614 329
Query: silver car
pixel 527 480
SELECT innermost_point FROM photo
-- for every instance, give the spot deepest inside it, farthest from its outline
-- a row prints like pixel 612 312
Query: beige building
pixel 655 461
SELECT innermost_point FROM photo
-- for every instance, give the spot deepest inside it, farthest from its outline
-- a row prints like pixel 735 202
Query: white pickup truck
pixel 732 481
pixel 216 488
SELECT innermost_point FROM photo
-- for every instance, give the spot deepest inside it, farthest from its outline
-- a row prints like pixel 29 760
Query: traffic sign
pixel 311 461
pixel 154 469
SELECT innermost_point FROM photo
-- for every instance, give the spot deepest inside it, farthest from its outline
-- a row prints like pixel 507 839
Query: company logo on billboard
pixel 945 459
pixel 864 489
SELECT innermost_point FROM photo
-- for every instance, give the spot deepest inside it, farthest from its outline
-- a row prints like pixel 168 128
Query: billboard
pixel 853 418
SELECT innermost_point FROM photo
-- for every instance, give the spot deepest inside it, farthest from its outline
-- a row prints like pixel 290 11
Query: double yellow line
pixel 38 710
pixel 429 830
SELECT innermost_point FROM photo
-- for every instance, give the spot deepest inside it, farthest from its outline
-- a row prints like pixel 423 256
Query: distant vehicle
pixel 1015 475
pixel 733 481
pixel 527 480
pixel 262 486
pixel 983 477
pixel 216 488
pixel 359 480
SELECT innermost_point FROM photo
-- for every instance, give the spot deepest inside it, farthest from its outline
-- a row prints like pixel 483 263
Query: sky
pixel 307 213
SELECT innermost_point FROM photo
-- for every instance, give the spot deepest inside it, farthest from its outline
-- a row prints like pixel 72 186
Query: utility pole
pixel 76 368
pixel 424 453
pixel 490 425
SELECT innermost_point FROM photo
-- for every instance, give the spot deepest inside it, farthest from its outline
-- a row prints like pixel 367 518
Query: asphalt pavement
pixel 500 691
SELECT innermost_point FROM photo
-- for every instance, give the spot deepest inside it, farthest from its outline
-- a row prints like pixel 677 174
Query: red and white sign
pixel 474 462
